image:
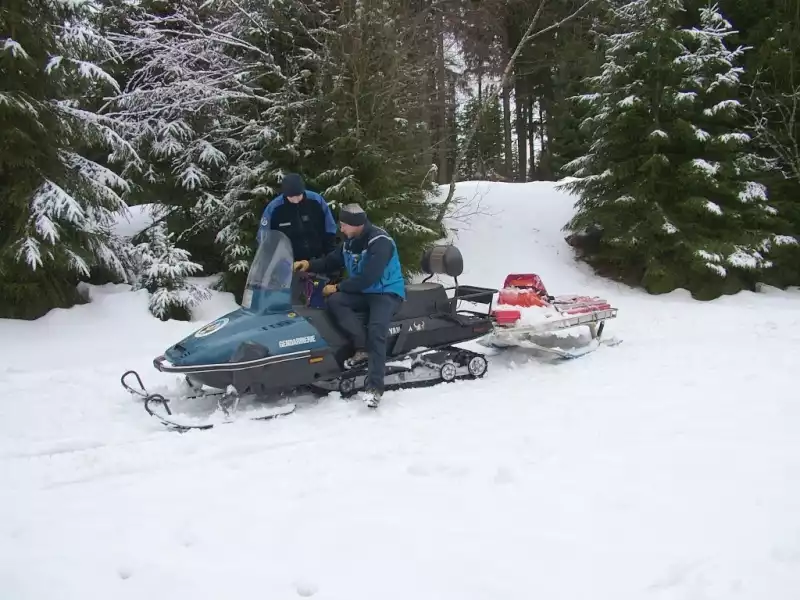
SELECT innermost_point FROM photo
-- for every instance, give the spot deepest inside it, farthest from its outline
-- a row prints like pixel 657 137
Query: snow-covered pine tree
pixel 221 101
pixel 668 179
pixel 772 100
pixel 276 127
pixel 163 269
pixel 372 139
pixel 56 204
pixel 283 90
pixel 177 104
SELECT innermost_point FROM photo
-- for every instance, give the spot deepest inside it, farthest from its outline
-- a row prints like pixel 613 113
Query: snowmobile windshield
pixel 272 267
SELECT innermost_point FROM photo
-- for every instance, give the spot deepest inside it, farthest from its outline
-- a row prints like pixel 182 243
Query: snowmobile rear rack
pixel 472 293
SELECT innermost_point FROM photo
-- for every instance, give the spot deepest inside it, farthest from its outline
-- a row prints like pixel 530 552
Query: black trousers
pixel 380 308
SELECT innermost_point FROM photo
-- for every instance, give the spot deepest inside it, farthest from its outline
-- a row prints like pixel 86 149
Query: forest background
pixel 673 122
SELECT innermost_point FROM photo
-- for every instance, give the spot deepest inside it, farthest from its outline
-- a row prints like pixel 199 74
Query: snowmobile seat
pixel 423 299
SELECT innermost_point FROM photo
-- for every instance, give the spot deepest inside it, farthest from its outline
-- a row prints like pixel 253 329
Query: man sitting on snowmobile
pixel 374 284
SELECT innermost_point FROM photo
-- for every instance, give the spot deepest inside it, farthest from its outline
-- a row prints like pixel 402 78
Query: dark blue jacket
pixel 372 263
pixel 309 224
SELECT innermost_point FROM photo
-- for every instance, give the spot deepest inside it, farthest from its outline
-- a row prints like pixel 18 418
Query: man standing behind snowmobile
pixel 374 284
pixel 303 216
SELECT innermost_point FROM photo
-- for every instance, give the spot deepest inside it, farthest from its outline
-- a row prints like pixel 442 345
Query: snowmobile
pixel 281 338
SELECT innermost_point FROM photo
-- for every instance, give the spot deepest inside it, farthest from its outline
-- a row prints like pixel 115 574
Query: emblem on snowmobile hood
pixel 212 327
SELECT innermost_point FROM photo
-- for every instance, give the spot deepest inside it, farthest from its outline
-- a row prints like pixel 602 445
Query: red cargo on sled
pixel 525 289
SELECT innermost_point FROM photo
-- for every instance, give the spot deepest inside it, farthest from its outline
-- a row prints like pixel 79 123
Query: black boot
pixel 359 357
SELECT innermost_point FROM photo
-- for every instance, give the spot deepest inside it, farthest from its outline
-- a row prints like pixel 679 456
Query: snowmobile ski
pixel 228 404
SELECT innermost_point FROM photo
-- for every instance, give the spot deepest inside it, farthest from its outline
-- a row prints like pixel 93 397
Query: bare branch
pixel 774 120
pixel 492 98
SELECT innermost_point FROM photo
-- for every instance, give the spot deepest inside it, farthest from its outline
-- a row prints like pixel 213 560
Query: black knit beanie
pixel 352 214
pixel 293 185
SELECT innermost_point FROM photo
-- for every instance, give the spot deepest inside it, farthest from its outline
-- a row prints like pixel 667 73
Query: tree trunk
pixel 441 85
pixel 450 128
pixel 522 128
pixel 428 116
pixel 532 126
pixel 428 89
pixel 545 161
pixel 507 147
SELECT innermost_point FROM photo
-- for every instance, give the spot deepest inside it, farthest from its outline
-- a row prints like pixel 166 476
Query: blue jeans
pixel 372 338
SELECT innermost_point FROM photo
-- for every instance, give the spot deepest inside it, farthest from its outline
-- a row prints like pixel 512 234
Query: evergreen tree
pixel 275 131
pixel 577 57
pixel 163 270
pixel 484 159
pixel 177 104
pixel 669 179
pixel 327 90
pixel 371 136
pixel 56 204
pixel 771 96
pixel 220 106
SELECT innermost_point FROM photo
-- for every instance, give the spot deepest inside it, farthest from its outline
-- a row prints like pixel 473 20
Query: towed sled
pixel 526 312
pixel 281 339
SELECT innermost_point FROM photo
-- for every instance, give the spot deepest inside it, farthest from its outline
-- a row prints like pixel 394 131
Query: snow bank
pixel 663 468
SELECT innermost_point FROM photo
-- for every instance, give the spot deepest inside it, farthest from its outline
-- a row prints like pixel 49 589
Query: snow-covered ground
pixel 666 468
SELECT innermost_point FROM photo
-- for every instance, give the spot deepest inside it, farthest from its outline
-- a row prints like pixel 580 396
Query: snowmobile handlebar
pixel 308 275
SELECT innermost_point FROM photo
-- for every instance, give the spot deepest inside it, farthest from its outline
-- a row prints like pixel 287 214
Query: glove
pixel 329 289
pixel 301 265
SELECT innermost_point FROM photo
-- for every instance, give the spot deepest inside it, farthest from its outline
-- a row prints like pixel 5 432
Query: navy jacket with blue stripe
pixel 309 224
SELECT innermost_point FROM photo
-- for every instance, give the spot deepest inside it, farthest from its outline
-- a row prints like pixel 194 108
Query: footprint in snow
pixel 187 538
pixel 503 476
pixel 446 470
pixel 418 470
pixel 306 588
